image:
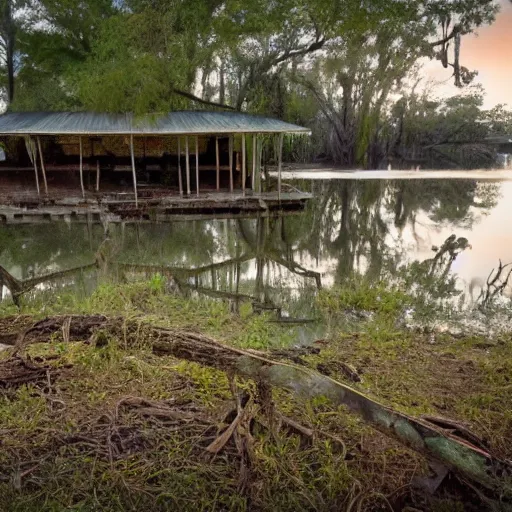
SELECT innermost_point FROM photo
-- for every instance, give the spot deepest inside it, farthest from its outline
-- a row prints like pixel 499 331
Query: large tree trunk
pixel 222 84
pixel 9 57
pixel 463 458
pixel 8 35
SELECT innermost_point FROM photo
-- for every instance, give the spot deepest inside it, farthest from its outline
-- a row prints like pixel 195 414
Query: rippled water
pixel 366 227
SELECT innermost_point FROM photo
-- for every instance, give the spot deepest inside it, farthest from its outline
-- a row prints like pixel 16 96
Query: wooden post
pixel 279 165
pixel 253 176
pixel 243 163
pixel 231 163
pixel 81 167
pixel 217 161
pixel 197 165
pixel 180 180
pixel 257 178
pixel 31 147
pixel 187 165
pixel 134 174
pixel 97 175
pixel 42 166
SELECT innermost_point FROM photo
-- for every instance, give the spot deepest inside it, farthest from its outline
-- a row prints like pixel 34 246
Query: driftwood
pixel 470 462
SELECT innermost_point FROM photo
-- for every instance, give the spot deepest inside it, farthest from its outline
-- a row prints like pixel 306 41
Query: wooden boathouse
pixel 182 161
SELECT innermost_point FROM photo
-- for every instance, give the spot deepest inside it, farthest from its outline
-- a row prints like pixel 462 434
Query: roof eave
pixel 157 134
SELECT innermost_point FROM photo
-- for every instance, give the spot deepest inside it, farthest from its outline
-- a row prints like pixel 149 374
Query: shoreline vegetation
pixel 97 419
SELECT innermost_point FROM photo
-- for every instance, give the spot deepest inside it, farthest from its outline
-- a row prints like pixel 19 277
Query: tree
pixel 8 34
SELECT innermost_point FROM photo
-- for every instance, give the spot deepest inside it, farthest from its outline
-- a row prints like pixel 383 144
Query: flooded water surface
pixel 362 228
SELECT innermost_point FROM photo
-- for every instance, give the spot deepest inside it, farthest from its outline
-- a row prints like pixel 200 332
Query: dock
pixel 120 207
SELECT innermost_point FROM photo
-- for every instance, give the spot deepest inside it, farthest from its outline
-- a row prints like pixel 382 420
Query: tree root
pixel 17 371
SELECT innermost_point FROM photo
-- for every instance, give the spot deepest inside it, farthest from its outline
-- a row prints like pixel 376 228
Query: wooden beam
pixel 42 166
pixel 81 167
pixel 244 156
pixel 217 161
pixel 187 165
pixel 134 174
pixel 231 163
pixel 97 175
pixel 259 145
pixel 279 164
pixel 37 176
pixel 180 180
pixel 197 165
pixel 253 175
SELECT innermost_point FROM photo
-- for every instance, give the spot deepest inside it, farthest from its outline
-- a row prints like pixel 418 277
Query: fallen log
pixel 471 463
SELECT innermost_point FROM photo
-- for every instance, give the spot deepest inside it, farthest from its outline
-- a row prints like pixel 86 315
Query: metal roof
pixel 186 122
pixel 499 139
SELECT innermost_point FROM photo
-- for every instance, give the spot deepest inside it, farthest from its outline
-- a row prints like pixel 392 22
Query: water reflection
pixel 368 228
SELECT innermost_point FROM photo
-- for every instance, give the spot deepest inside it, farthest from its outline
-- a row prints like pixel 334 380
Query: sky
pixel 489 52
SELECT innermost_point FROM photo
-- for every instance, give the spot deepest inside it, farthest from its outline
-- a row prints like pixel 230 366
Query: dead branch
pixel 495 285
pixel 218 444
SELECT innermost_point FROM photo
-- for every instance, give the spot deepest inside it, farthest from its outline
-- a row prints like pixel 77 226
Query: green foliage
pixel 157 283
pixel 363 296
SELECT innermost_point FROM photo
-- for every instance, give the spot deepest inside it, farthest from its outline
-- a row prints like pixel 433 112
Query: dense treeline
pixel 345 68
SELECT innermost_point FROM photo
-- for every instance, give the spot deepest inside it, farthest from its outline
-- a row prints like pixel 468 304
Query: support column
pixel 231 163
pixel 197 165
pixel 134 174
pixel 31 148
pixel 81 167
pixel 217 161
pixel 243 163
pixel 259 151
pixel 253 175
pixel 42 166
pixel 97 175
pixel 180 179
pixel 187 165
pixel 279 165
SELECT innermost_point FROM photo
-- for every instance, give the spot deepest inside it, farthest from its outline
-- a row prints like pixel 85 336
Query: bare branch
pixel 197 99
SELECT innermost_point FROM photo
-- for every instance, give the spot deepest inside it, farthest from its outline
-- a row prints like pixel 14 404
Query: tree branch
pixel 313 47
pixel 197 99
pixel 456 30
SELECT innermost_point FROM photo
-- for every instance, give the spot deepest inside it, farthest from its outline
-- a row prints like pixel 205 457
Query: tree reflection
pixel 350 228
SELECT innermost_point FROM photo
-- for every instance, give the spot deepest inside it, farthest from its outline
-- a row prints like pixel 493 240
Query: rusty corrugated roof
pixel 173 123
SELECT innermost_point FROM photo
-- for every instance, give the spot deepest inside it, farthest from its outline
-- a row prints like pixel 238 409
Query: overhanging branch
pixel 197 99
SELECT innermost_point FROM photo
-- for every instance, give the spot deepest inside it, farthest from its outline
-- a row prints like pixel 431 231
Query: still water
pixel 351 227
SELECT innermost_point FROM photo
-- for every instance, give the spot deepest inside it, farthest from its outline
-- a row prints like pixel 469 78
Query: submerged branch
pixel 17 287
pixel 183 271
